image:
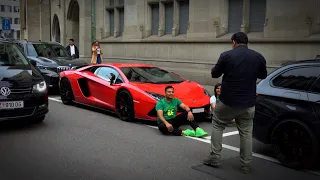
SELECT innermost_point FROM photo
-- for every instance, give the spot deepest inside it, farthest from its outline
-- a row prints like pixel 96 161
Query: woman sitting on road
pixel 213 99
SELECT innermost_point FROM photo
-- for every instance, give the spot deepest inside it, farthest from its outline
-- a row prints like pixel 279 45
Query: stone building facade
pixel 185 36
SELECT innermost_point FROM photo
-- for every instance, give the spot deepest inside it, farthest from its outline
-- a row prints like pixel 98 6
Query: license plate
pixel 199 110
pixel 11 104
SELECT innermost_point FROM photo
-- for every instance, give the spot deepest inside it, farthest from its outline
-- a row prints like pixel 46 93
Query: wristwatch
pixel 189 110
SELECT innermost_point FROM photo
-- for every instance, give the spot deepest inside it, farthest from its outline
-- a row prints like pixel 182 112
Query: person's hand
pixel 169 127
pixel 190 116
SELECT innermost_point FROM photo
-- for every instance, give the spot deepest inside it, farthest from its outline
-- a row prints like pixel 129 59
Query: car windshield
pixel 150 75
pixel 11 55
pixel 46 50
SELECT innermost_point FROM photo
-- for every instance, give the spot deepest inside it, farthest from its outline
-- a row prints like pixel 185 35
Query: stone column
pixel 161 19
pixel 116 23
pixel 175 29
pixel 148 25
pixel 85 28
pixel 45 21
pixel 100 19
pixel 31 27
pixel 245 16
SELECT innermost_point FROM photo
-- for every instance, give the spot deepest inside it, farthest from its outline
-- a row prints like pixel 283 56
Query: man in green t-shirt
pixel 169 122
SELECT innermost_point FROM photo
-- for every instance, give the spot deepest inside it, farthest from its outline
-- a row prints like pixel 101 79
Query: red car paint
pixel 103 95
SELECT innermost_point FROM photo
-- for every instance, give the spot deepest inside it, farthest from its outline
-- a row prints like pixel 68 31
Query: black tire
pixel 125 106
pixel 39 120
pixel 66 92
pixel 294 144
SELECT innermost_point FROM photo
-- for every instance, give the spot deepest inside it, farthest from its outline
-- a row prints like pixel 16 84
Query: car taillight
pixel 257 95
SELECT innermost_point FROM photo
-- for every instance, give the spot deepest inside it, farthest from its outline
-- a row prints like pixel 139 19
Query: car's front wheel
pixel 66 92
pixel 124 106
pixel 294 144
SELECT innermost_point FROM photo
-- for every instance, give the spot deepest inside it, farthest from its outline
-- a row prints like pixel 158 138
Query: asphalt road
pixel 80 143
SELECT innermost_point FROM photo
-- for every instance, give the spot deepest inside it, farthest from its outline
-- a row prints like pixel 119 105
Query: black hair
pixel 71 40
pixel 168 87
pixel 240 38
pixel 215 89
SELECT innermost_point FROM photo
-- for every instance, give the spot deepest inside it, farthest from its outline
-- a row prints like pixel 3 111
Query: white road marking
pixel 54 99
pixel 230 133
pixel 267 158
pixel 208 141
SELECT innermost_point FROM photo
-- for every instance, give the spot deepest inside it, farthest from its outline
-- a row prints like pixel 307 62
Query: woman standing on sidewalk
pixel 215 97
pixel 96 53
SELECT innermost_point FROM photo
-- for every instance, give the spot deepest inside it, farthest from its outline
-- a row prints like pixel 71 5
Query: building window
pixel 16 9
pixel 121 19
pixel 257 15
pixel 116 17
pixel 2 8
pixel 111 20
pixel 168 17
pixel 154 19
pixel 111 4
pixel 183 16
pixel 235 15
pixel 16 20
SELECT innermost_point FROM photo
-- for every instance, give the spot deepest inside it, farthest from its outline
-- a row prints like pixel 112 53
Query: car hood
pixel 185 90
pixel 18 77
pixel 57 61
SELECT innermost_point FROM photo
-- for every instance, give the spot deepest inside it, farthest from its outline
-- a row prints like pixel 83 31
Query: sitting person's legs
pixel 177 122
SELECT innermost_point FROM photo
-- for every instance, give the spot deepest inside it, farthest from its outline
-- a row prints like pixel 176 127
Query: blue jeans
pixel 98 59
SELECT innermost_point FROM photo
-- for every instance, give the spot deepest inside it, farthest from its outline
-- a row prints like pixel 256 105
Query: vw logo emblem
pixel 5 91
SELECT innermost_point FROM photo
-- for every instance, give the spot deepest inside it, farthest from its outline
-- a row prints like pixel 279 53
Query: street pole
pixel 93 21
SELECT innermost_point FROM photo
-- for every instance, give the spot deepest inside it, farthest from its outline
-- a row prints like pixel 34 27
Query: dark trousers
pixel 176 123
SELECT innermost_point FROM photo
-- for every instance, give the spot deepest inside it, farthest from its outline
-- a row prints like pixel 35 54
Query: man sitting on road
pixel 169 122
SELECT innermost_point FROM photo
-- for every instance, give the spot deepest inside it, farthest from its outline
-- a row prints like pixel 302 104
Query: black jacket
pixel 76 51
pixel 241 67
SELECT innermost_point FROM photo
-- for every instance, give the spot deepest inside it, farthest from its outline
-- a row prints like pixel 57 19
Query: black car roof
pixel 6 40
pixel 39 42
pixel 302 62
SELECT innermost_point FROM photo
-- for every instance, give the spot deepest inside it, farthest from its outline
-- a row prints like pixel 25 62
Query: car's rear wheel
pixel 124 106
pixel 66 93
pixel 294 144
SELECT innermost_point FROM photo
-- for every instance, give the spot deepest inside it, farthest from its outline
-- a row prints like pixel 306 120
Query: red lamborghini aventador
pixel 129 90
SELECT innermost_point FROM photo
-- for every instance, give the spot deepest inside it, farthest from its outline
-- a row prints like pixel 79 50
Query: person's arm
pixel 213 101
pixel 183 106
pixel 94 49
pixel 159 109
pixel 219 68
pixel 262 72
pixel 186 108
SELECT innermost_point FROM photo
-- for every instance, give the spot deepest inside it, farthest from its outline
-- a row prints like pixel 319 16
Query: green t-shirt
pixel 169 108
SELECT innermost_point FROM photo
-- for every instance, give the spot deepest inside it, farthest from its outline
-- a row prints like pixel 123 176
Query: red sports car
pixel 129 90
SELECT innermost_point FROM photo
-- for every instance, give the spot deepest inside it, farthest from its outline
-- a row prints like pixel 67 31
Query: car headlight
pixel 206 92
pixel 40 87
pixel 156 96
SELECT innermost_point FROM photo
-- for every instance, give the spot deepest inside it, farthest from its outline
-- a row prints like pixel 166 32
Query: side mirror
pixel 113 77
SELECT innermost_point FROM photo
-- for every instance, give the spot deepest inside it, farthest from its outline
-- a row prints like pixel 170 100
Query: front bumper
pixel 35 105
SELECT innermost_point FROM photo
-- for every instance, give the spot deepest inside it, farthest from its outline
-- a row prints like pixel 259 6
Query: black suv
pixel 50 58
pixel 23 91
pixel 288 113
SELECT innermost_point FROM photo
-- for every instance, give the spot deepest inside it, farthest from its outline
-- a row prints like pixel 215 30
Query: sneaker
pixel 189 132
pixel 201 133
pixel 210 161
pixel 245 169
